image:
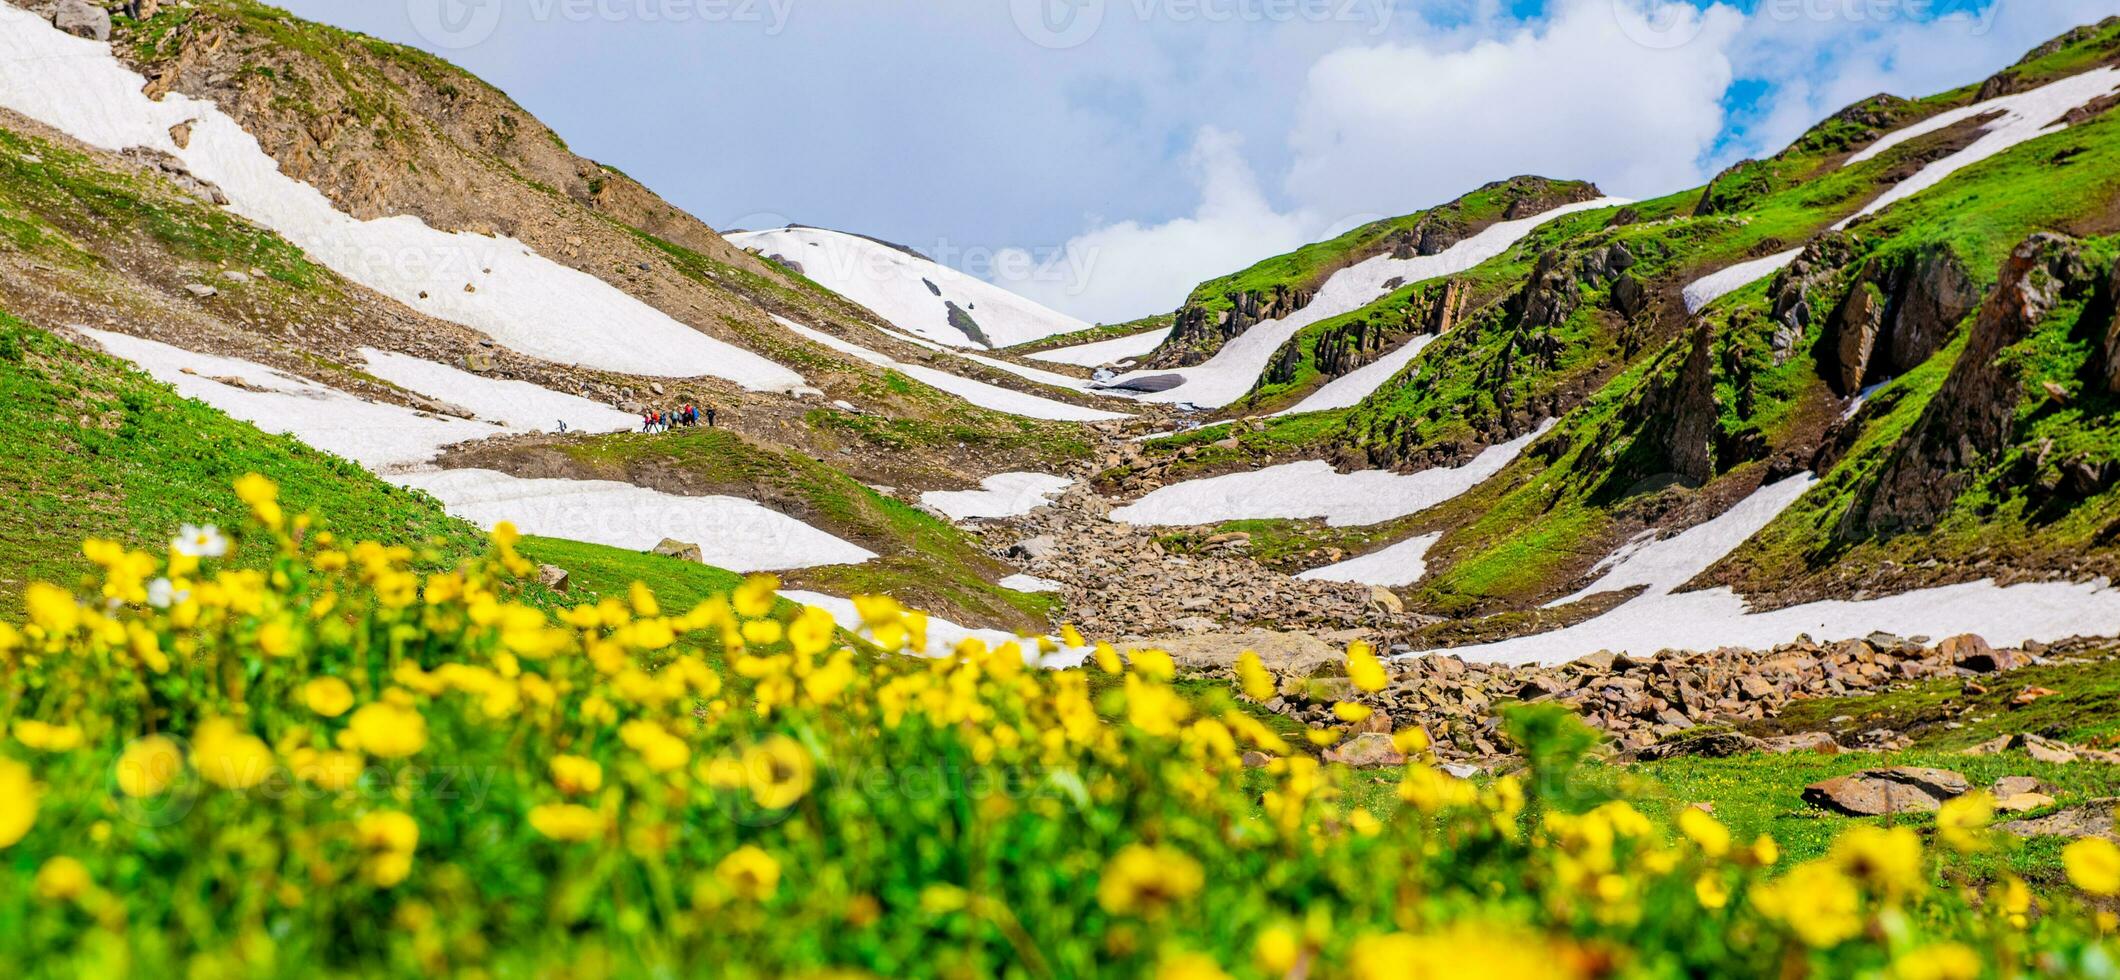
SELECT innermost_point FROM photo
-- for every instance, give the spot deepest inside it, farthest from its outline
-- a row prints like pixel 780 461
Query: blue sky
pixel 1103 155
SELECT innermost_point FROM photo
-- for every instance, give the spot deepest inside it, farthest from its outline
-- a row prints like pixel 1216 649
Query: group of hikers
pixel 663 420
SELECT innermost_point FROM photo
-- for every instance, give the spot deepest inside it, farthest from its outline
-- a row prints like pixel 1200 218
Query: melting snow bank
pixel 517 404
pixel 1665 565
pixel 977 392
pixel 1004 495
pixel 2025 116
pixel 1659 620
pixel 1226 377
pixel 943 635
pixel 379 436
pixel 1400 565
pixel 1031 583
pixel 2015 615
pixel 1715 286
pixel 731 532
pixel 1314 489
pixel 917 294
pixel 497 286
pixel 1348 390
pixel 1104 352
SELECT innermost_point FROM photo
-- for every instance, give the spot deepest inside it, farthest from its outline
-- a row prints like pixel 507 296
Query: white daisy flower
pixel 162 593
pixel 199 542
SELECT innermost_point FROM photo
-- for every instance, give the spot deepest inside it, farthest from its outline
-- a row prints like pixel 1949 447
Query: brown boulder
pixel 554 577
pixel 1876 792
pixel 1370 750
pixel 2093 819
pixel 1821 743
pixel 679 550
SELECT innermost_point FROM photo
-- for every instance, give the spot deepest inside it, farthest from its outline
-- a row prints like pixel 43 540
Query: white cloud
pixel 1577 95
pixel 1127 269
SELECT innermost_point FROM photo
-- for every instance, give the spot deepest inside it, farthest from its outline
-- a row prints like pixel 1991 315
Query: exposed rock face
pixel 1430 310
pixel 1369 750
pixel 1673 423
pixel 82 19
pixel 1552 293
pixel 1199 332
pixel 2109 352
pixel 1894 319
pixel 1877 792
pixel 1973 415
pixel 2093 819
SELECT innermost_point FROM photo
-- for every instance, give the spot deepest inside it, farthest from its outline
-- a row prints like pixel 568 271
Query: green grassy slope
pixel 96 449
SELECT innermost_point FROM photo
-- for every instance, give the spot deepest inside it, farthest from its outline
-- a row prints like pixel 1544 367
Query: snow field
pixel 1104 352
pixel 1314 490
pixel 1001 495
pixel 978 393
pixel 1226 377
pixel 1394 567
pixel 497 286
pixel 909 291
pixel 1348 390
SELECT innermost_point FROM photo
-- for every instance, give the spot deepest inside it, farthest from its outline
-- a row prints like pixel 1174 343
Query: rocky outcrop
pixel 1894 318
pixel 2109 350
pixel 1198 331
pixel 1973 416
pixel 2010 81
pixel 1880 792
pixel 1351 345
pixel 82 19
pixel 1551 294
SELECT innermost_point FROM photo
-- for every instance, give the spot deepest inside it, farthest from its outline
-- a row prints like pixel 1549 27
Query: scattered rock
pixel 2019 785
pixel 1821 743
pixel 1257 760
pixel 201 290
pixel 1387 600
pixel 2022 802
pixel 1876 792
pixel 82 19
pixel 1032 549
pixel 679 550
pixel 478 362
pixel 1369 750
pixel 2031 694
pixel 239 278
pixel 554 577
pixel 2093 819
pixel 1708 745
pixel 180 134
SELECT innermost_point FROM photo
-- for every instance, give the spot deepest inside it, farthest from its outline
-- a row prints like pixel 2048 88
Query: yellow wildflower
pixel 18 801
pixel 566 822
pixel 2093 865
pixel 1888 860
pixel 1144 880
pixel 229 757
pixel 750 873
pixel 1278 949
pixel 148 766
pixel 1190 966
pixel 1364 669
pixel 388 731
pixel 1706 832
pixel 1943 961
pixel 62 879
pixel 46 737
pixel 576 776
pixel 1252 675
pixel 328 696
pixel 1962 822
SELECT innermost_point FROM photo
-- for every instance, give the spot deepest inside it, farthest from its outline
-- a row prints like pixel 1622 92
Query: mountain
pixel 1514 423
pixel 909 290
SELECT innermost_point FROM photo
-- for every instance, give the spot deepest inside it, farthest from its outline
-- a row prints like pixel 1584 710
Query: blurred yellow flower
pixel 388 731
pixel 1364 669
pixel 2093 865
pixel 328 696
pixel 1351 713
pixel 750 873
pixel 1819 904
pixel 566 822
pixel 46 737
pixel 1278 949
pixel 229 757
pixel 62 879
pixel 18 801
pixel 1252 675
pixel 1888 860
pixel 148 766
pixel 1143 880
pixel 1961 823
pixel 1943 961
pixel 1706 832
pixel 576 776
pixel 1190 966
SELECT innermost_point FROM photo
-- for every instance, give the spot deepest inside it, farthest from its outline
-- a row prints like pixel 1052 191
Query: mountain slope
pixel 909 290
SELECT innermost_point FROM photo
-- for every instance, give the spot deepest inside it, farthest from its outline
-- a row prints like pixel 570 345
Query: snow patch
pixel 516 404
pixel 1348 390
pixel 1031 583
pixel 1314 489
pixel 910 291
pixel 1660 620
pixel 1400 565
pixel 497 286
pixel 1665 565
pixel 942 635
pixel 732 533
pixel 1105 352
pixel 977 392
pixel 2025 116
pixel 1228 375
pixel 1003 495
pixel 1717 285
